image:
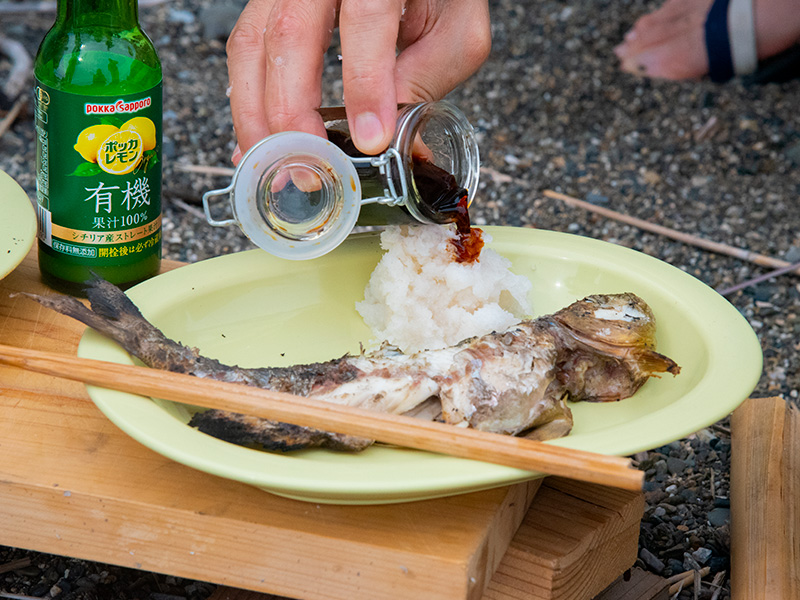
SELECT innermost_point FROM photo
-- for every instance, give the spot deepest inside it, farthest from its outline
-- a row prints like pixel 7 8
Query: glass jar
pixel 298 196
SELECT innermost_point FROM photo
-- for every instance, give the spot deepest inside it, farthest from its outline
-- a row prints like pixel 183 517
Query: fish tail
pixel 113 314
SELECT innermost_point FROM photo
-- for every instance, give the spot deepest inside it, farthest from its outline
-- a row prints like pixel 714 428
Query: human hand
pixel 276 53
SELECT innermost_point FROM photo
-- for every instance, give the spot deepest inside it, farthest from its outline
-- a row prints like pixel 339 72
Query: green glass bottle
pixel 97 102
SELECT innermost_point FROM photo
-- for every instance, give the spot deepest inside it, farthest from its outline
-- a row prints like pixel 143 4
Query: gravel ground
pixel 552 112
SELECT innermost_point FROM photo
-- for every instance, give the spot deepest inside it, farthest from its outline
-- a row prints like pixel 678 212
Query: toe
pixel 679 58
pixel 668 43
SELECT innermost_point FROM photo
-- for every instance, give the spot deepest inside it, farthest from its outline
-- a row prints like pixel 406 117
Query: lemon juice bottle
pixel 97 102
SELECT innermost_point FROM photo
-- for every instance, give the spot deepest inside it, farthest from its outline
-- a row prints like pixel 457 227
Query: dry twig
pixel 760 279
pixel 719 248
pixel 21 65
pixel 192 210
pixel 15 564
pixel 712 484
pixel 205 170
pixel 721 429
pixel 683 580
pixel 11 116
pixel 716 584
pixel 707 130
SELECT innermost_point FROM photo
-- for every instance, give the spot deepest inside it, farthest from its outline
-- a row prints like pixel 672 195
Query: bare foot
pixel 670 42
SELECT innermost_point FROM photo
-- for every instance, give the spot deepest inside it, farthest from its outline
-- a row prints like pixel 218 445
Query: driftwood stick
pixel 761 278
pixel 716 584
pixel 684 580
pixel 685 575
pixel 15 564
pixel 719 248
pixel 205 170
pixel 21 67
pixel 192 210
pixel 12 114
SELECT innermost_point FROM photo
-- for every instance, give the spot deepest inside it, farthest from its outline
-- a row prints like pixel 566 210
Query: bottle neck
pixel 114 14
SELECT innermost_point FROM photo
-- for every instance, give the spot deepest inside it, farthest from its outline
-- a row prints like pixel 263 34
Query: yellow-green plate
pixel 253 309
pixel 17 224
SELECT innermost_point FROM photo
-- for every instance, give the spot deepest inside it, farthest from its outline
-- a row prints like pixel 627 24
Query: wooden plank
pixel 574 542
pixel 765 483
pixel 639 585
pixel 592 541
pixel 72 484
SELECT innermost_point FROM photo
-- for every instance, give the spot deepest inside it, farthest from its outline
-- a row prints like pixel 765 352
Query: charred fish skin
pixel 517 382
pixel 115 316
pixel 245 430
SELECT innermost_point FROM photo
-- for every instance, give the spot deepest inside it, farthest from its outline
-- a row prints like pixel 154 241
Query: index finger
pixel 297 37
pixel 247 74
pixel 275 58
pixel 369 30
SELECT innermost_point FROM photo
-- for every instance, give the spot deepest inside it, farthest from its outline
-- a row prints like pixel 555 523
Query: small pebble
pixel 651 560
pixel 675 466
pixel 701 555
pixel 718 517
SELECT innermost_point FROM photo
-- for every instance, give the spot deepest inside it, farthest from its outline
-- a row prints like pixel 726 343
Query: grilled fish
pixel 515 382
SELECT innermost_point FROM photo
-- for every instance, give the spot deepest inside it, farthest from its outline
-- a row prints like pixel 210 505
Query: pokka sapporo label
pixel 98 174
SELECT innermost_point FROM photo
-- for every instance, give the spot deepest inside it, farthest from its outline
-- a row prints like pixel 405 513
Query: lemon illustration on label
pixel 145 128
pixel 89 140
pixel 120 152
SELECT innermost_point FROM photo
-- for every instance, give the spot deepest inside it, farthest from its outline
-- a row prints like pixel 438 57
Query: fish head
pixel 621 320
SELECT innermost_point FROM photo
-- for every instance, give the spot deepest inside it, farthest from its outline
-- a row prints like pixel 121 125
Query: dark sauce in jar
pixel 444 201
pixel 449 204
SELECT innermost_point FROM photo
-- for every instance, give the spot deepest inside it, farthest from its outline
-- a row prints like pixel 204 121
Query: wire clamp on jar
pixel 389 166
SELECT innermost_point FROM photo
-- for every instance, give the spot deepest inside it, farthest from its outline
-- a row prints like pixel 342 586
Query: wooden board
pixel 71 483
pixel 765 485
pixel 637 585
pixel 573 540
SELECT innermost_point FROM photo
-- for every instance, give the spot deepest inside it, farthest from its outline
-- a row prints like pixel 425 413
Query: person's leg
pixel 670 42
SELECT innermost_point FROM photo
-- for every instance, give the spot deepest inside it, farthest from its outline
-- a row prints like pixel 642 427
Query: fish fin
pixel 653 362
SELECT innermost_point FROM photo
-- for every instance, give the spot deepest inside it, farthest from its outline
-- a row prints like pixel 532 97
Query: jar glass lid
pixel 296 195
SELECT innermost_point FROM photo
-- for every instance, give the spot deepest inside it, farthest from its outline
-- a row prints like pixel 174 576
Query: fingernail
pixel 631 35
pixel 237 155
pixel 368 133
pixel 621 50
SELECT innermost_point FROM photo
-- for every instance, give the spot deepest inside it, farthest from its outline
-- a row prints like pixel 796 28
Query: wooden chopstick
pixel 394 429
